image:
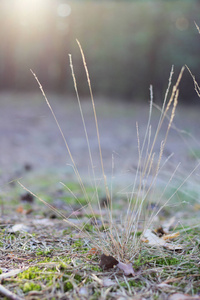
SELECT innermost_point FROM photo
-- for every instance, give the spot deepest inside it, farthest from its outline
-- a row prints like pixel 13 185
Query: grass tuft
pixel 66 260
pixel 121 240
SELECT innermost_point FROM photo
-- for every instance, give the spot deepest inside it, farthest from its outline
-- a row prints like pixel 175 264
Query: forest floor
pixel 42 257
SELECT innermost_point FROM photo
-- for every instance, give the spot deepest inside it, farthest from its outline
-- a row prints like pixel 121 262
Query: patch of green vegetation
pixel 31 273
pixel 67 286
pixel 31 286
pixel 138 233
pixel 89 227
pixel 92 216
pixel 143 259
pixel 1 271
pixel 71 200
pixel 140 261
pixel 38 273
pixel 44 252
pixel 96 295
pixel 104 227
pixel 67 231
pixel 133 283
pixel 75 188
pixel 46 260
pixel 189 232
pixel 166 261
pixel 184 197
pixel 78 277
pixel 79 245
pixel 64 265
pixel 96 268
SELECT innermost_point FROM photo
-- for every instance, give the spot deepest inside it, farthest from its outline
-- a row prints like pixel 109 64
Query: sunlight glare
pixel 64 10
pixel 30 10
pixel 28 5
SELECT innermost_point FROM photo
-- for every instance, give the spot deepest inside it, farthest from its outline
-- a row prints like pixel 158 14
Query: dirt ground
pixel 51 257
pixel 30 138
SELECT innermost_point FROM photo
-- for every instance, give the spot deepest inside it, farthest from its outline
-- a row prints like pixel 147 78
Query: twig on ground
pixel 11 273
pixel 9 294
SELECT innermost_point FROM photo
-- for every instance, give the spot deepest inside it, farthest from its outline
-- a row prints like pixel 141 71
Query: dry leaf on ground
pixel 107 262
pixel 127 268
pixel 152 239
pixel 93 251
pixel 27 197
pixel 170 236
pixel 19 227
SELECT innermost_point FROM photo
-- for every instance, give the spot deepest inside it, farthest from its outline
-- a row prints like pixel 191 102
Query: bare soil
pixel 30 138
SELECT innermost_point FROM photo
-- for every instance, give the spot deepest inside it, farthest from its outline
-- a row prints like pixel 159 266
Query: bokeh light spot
pixel 182 23
pixel 64 10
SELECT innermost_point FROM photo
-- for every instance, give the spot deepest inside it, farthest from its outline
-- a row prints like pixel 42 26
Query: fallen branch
pixel 8 294
pixel 11 273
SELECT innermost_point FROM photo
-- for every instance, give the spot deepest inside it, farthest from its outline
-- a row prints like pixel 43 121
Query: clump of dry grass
pixel 121 239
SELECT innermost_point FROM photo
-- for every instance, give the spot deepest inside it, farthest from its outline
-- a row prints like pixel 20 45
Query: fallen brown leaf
pixel 107 262
pixel 160 231
pixel 27 197
pixel 93 251
pixel 170 236
pixel 152 239
pixel 21 210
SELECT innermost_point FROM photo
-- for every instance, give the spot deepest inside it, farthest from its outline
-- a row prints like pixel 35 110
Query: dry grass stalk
pixel 196 86
pixel 96 122
pixel 122 242
pixel 138 205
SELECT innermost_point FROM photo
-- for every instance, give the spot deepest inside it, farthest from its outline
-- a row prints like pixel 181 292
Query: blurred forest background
pixel 128 45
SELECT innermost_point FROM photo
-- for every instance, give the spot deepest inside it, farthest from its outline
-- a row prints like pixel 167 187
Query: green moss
pixel 31 273
pixel 166 261
pixel 96 296
pixel 44 252
pixel 68 286
pixel 78 277
pixel 133 283
pixel 141 260
pixel 158 261
pixel 71 200
pixel 47 259
pixel 62 266
pixel 96 268
pixel 89 227
pixel 103 228
pixel 79 246
pixel 30 286
pixel 66 231
pixel 38 274
pixel 1 271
